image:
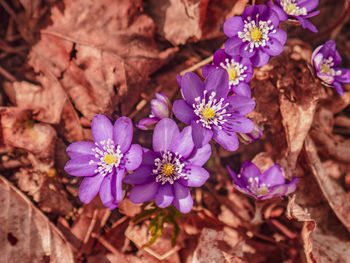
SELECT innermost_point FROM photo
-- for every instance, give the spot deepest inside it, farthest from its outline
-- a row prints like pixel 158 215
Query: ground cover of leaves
pixel 62 62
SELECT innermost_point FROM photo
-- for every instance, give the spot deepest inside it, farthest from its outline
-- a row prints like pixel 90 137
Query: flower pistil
pixel 169 168
pixel 212 112
pixel 109 156
pixel 235 71
pixel 291 8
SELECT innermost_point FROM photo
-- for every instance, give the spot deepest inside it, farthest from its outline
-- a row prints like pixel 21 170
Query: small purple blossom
pixel 240 71
pixel 160 108
pixel 271 183
pixel 166 173
pixel 300 10
pixel 104 162
pixel 255 35
pixel 252 136
pixel 210 112
pixel 325 60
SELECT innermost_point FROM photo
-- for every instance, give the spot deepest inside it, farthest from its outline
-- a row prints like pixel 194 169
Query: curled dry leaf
pixel 99 49
pixel 334 193
pixel 20 130
pixel 26 235
pixel 45 190
pixel 297 212
pixel 179 21
pixel 218 246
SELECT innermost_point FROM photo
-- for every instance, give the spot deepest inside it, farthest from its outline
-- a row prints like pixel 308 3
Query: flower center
pixel 110 159
pixel 327 67
pixel 257 188
pixel 109 156
pixel 232 74
pixel 291 8
pixel 235 71
pixel 210 111
pixel 169 168
pixel 256 32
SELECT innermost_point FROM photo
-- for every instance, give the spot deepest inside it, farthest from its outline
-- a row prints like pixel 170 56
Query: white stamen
pixel 265 28
pixel 220 115
pixel 327 67
pixel 103 149
pixel 291 8
pixel 257 188
pixel 237 67
pixel 177 166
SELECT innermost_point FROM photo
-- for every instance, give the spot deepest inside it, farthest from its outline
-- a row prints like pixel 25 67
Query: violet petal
pixel 165 195
pixel 191 87
pixel 133 157
pixel 218 82
pixel 80 166
pixel 344 77
pixel 272 176
pixel 200 134
pixel 197 176
pixel 233 45
pixel 233 25
pixel 183 143
pixel 220 56
pixel 338 87
pixel 228 141
pixel 240 104
pixel 200 156
pixel 143 193
pixel 89 188
pixel 106 191
pixel 183 200
pixel 164 133
pixel 273 47
pixel 77 149
pixel 122 133
pixel 101 128
pixel 183 111
pixel 260 58
pixel 147 123
pixel 242 89
pixel 142 175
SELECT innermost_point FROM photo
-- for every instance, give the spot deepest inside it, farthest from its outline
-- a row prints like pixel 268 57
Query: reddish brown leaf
pixel 26 234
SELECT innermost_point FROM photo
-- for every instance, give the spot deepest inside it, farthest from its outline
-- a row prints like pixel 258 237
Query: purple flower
pixel 166 173
pixel 299 10
pixel 210 112
pixel 160 108
pixel 240 71
pixel 255 35
pixel 104 162
pixel 268 184
pixel 325 60
pixel 252 136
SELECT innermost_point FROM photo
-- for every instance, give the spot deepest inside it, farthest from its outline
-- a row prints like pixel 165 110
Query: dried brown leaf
pixel 26 234
pixel 20 130
pixel 99 49
pixel 334 193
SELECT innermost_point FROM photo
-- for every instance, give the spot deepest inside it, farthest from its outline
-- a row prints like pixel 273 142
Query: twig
pixel 197 66
pixel 7 74
pixel 107 245
pixel 91 227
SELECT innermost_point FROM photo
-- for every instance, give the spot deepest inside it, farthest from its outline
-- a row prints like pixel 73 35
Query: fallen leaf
pixel 20 130
pixel 26 234
pixel 97 57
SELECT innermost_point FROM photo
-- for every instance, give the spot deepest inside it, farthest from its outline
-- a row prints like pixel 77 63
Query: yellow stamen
pixel 256 34
pixel 324 69
pixel 168 169
pixel 110 159
pixel 289 9
pixel 262 191
pixel 208 113
pixel 232 73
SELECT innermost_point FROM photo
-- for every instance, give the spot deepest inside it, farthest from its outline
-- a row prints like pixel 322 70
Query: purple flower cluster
pixel 104 162
pixel 271 183
pixel 255 35
pixel 325 60
pixel 210 112
pixel 299 10
pixel 166 173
